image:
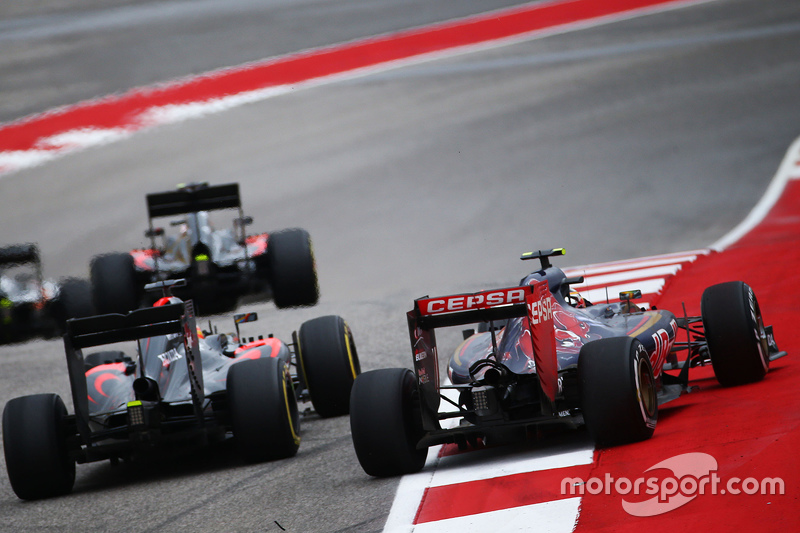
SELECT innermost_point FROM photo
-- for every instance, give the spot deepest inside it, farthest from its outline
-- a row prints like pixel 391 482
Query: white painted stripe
pixel 788 170
pixel 643 273
pixel 170 114
pixel 85 137
pixel 409 495
pixel 619 266
pixel 488 464
pixel 650 286
pixel 17 160
pixel 558 516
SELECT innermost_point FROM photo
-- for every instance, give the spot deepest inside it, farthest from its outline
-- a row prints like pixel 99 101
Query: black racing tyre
pixel 35 443
pixel 263 410
pixel 293 272
pixel 617 390
pixel 734 330
pixel 386 424
pixel 75 299
pixel 329 363
pixel 103 358
pixel 115 288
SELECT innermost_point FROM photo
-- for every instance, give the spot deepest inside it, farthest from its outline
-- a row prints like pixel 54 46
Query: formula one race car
pixel 178 388
pixel 31 306
pixel 220 266
pixel 546 356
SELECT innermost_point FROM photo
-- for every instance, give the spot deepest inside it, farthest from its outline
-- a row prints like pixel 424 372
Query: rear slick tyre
pixel 293 273
pixel 75 299
pixel 35 445
pixel 329 363
pixel 618 392
pixel 263 410
pixel 734 330
pixel 114 285
pixel 385 423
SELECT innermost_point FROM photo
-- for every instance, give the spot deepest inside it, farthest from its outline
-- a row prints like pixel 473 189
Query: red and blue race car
pixel 543 355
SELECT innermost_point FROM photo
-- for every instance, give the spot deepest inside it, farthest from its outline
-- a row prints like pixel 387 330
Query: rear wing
pixel 531 301
pixel 193 199
pixel 139 324
pixel 19 254
pixel 100 330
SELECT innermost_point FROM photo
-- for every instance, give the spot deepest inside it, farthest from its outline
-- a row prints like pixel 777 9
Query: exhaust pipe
pixel 146 389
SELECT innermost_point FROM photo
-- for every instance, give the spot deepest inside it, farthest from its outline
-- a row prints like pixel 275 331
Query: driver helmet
pixel 575 299
pixel 166 300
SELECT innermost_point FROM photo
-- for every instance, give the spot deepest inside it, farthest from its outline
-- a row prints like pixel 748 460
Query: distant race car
pixel 178 388
pixel 543 355
pixel 31 306
pixel 220 265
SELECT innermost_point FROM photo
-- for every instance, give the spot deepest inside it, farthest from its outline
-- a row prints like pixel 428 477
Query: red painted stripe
pixel 474 497
pixel 125 111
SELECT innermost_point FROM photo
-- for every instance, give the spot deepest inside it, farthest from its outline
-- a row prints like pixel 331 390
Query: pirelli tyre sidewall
pixel 617 391
pixel 734 331
pixel 329 363
pixel 264 417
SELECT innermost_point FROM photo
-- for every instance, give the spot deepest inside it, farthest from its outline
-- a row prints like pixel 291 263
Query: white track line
pixel 552 517
pixel 487 464
pixel 788 170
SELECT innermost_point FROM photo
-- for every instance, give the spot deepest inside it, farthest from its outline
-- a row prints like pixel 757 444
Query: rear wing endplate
pixel 192 200
pixel 532 301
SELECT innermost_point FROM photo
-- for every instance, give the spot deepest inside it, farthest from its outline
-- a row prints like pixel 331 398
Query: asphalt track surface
pixel 57 52
pixel 644 136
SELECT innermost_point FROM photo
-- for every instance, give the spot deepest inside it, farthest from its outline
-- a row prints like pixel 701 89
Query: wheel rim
pixel 645 388
pixel 352 355
pixel 760 333
pixel 291 407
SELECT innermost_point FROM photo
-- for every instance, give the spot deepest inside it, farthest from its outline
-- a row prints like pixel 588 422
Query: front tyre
pixel 114 285
pixel 734 330
pixel 386 424
pixel 35 442
pixel 293 273
pixel 618 392
pixel 329 363
pixel 263 409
